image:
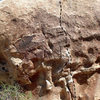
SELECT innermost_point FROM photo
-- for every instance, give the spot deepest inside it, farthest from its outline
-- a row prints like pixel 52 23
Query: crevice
pixel 88 38
pixel 34 81
pixel 87 63
pixel 3 62
pixel 84 78
pixel 50 45
pixel 1 20
pixel 14 20
pixel 80 54
pixel 97 60
pixel 90 51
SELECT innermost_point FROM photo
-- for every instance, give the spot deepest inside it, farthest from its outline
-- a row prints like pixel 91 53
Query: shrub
pixel 13 92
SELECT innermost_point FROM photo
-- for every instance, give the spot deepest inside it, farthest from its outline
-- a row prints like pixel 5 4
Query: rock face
pixel 33 47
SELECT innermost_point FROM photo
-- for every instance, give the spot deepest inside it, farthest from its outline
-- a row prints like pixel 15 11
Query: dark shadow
pixel 82 78
pixel 33 85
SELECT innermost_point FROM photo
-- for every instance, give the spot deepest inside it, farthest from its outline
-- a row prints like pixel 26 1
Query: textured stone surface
pixel 33 46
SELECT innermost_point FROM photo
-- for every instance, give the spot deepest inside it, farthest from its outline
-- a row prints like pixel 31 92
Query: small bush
pixel 12 92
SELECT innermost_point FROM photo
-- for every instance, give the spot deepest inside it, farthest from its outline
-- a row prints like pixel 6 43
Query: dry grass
pixel 13 92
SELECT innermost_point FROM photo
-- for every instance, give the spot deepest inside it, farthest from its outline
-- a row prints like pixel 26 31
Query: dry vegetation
pixel 13 92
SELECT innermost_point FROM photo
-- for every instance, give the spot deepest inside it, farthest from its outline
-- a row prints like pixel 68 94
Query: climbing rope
pixel 60 21
pixel 67 51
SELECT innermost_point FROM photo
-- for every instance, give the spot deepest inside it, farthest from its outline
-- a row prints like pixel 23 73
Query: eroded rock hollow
pixel 38 39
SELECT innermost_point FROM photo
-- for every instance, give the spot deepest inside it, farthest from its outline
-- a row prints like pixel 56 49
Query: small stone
pixel 48 85
pixel 16 61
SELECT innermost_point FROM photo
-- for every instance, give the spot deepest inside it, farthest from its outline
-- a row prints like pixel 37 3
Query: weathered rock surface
pixel 33 47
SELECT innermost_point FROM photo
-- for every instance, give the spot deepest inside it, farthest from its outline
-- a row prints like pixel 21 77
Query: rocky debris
pixel 16 61
pixel 48 85
pixel 35 49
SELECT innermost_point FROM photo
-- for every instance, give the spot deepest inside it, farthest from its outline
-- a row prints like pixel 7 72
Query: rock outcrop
pixel 34 47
